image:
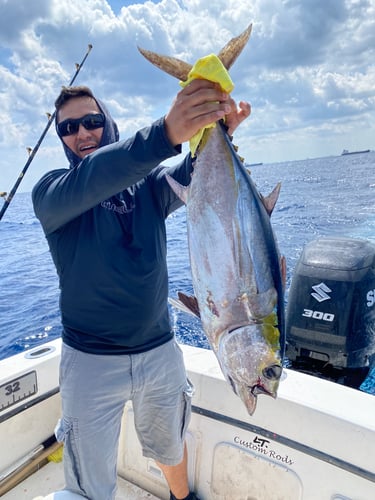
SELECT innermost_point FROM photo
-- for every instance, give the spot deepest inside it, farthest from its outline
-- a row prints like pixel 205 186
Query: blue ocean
pixel 331 196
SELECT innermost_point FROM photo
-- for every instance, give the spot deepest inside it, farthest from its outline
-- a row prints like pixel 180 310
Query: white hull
pixel 315 442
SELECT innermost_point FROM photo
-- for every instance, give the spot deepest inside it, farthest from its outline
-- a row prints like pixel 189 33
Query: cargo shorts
pixel 94 390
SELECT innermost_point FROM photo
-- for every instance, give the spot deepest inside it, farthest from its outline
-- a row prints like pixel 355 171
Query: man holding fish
pixel 103 218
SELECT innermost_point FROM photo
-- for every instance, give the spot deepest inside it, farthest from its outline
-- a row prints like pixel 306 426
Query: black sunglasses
pixel 71 125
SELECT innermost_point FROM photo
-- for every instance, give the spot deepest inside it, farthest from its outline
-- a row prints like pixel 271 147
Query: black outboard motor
pixel 330 323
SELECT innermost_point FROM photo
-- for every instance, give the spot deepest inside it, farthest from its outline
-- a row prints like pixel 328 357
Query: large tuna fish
pixel 237 272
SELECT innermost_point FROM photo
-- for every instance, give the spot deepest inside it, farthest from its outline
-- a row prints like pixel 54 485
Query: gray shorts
pixel 94 390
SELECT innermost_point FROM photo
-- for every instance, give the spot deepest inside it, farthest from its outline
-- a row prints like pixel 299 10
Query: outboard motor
pixel 330 321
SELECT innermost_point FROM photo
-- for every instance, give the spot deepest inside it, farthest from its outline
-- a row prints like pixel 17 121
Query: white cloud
pixel 308 70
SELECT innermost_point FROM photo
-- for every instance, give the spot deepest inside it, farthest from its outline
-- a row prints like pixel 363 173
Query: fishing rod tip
pixel 90 46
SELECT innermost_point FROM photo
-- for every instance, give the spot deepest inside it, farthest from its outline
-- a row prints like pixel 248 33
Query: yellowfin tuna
pixel 237 271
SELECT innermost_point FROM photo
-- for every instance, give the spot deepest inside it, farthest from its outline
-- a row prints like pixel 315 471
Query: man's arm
pixel 62 195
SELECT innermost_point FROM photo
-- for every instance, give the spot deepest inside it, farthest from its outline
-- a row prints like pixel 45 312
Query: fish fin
pixel 180 69
pixel 260 305
pixel 186 303
pixel 171 65
pixel 179 305
pixel 190 302
pixel 234 47
pixel 270 201
pixel 180 190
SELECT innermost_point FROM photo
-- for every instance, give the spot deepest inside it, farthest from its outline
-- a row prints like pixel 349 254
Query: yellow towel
pixel 56 456
pixel 208 68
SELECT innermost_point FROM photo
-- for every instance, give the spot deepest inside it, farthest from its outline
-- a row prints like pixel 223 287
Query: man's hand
pixel 237 115
pixel 200 103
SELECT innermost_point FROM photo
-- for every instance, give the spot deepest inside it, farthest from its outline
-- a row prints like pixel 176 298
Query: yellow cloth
pixel 56 456
pixel 208 68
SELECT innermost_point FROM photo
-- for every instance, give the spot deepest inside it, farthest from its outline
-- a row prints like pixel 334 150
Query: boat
pixel 347 152
pixel 315 441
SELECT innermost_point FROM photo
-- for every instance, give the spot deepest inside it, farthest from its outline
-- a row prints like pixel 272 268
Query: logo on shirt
pixel 121 208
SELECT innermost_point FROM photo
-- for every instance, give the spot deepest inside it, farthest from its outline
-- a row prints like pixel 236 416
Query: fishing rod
pixel 32 152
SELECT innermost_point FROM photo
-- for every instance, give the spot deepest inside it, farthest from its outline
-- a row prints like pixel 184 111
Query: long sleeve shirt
pixel 104 221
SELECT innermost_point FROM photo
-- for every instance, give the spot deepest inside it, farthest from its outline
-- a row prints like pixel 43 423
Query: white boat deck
pixel 50 478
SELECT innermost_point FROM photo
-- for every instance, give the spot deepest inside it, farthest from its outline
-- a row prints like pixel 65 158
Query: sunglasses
pixel 71 125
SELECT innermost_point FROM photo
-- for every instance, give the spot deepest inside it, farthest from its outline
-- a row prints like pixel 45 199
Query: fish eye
pixel 272 372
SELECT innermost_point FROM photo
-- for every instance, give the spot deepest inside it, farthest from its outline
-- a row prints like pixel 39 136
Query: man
pixel 104 219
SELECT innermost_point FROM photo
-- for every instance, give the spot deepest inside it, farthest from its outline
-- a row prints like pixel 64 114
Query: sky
pixel 308 71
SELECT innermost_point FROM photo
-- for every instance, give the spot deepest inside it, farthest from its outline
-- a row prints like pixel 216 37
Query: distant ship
pixel 346 152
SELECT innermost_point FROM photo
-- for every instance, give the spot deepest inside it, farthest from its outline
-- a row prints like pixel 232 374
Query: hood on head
pixel 110 135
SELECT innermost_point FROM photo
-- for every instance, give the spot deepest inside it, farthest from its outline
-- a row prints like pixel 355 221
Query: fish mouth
pixel 271 373
pixel 249 394
pixel 254 390
pixel 273 376
pixel 260 389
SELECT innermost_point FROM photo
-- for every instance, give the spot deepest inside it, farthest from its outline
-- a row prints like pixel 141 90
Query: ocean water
pixel 332 196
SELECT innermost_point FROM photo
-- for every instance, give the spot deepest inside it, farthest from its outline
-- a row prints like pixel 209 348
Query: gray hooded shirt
pixel 104 220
